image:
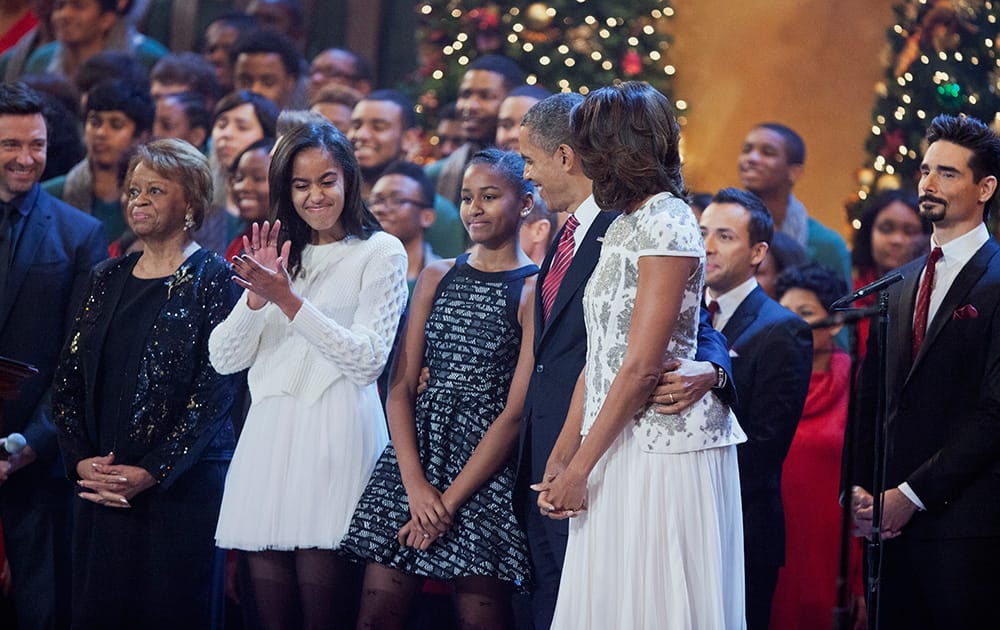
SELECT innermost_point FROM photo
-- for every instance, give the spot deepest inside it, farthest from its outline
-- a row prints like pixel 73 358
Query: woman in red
pixel 810 482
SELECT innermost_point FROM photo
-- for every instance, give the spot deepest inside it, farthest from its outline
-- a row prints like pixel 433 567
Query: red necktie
pixel 560 263
pixel 924 301
pixel 713 310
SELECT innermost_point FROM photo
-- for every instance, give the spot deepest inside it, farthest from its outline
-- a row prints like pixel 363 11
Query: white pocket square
pixel 733 353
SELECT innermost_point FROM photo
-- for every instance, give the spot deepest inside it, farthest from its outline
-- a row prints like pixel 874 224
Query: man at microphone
pixel 940 525
pixel 46 247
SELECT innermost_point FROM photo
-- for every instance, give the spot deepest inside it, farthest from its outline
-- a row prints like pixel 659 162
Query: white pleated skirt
pixel 660 546
pixel 299 470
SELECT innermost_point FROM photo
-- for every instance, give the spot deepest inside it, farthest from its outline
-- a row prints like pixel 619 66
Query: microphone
pixel 12 445
pixel 844 317
pixel 881 284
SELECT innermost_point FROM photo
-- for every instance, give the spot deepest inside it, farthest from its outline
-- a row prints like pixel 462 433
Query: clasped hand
pixel 109 484
pixel 261 268
pixel 561 493
pixel 897 510
pixel 430 516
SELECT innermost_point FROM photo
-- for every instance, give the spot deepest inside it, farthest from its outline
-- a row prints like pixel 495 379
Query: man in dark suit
pixel 771 350
pixel 941 498
pixel 560 336
pixel 46 250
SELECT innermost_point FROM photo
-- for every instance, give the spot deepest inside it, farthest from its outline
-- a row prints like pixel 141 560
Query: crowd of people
pixel 298 367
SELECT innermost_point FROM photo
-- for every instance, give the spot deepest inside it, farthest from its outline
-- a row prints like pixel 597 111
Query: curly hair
pixel 823 281
pixel 181 163
pixel 627 139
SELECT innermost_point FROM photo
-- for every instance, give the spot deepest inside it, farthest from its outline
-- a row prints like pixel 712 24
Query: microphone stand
pixel 841 612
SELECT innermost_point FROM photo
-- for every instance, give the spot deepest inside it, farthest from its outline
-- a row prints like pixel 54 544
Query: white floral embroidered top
pixel 663 226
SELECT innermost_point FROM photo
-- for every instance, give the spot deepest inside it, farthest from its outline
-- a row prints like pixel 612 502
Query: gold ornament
pixel 536 16
pixel 866 177
pixel 888 182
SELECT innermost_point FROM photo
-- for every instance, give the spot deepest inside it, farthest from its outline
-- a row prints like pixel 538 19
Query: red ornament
pixel 631 63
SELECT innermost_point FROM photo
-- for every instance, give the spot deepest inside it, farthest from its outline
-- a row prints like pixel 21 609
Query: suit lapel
pixel 901 311
pixel 743 316
pixel 580 268
pixel 966 279
pixel 35 230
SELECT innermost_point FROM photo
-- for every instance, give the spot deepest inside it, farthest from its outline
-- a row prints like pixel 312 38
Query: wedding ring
pixel 671 398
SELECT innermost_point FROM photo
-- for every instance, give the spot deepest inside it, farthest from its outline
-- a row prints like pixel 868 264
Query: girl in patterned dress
pixel 439 503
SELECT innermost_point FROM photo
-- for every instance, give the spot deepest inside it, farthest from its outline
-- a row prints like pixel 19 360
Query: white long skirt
pixel 660 546
pixel 299 470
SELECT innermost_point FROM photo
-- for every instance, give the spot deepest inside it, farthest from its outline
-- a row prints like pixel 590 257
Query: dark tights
pixel 305 588
pixel 483 603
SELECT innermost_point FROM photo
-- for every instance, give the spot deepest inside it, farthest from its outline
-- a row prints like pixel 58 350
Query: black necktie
pixel 9 212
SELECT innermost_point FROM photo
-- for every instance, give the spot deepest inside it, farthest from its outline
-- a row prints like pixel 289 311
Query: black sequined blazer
pixel 180 410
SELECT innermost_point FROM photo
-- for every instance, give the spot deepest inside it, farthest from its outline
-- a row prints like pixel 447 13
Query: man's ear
pixel 567 157
pixel 427 217
pixel 757 253
pixel 795 172
pixel 987 186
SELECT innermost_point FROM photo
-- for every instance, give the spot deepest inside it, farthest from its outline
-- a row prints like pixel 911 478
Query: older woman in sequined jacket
pixel 143 418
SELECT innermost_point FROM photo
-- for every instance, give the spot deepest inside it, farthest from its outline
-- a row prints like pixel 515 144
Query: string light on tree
pixel 943 60
pixel 566 45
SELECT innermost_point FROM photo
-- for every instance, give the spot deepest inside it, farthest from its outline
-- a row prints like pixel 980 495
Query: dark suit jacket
pixel 771 367
pixel 561 351
pixel 58 246
pixel 944 406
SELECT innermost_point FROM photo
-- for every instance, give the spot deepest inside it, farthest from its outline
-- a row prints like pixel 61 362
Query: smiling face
pixel 491 206
pixel 108 135
pixel 233 131
pixel 156 206
pixel 23 142
pixel 545 172
pixel 80 22
pixel 318 194
pixel 250 187
pixel 763 163
pixel 376 133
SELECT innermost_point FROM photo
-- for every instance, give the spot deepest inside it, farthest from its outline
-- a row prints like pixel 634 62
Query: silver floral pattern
pixel 663 226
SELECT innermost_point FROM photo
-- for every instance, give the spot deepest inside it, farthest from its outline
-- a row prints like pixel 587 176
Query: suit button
pixel 539 368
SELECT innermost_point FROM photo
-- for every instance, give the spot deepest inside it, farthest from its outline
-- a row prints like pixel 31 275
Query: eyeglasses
pixel 394 202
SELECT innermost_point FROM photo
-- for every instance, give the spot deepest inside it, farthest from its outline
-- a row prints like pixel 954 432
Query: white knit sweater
pixel 353 294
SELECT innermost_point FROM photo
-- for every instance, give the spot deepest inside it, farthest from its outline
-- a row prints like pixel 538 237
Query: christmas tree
pixel 943 60
pixel 563 45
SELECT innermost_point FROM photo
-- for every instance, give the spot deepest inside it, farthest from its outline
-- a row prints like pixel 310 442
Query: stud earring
pixel 188 220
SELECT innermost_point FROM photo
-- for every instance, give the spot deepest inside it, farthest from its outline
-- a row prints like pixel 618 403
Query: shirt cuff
pixel 912 496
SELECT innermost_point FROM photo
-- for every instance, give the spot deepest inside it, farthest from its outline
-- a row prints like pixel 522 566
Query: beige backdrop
pixel 810 64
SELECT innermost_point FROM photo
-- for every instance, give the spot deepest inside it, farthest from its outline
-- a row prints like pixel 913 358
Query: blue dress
pixel 472 343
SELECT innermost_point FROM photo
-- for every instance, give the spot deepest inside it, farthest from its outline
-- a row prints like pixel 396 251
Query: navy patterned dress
pixel 472 343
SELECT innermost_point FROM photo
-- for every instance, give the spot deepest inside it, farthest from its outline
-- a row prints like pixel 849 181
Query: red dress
pixel 810 485
pixel 866 276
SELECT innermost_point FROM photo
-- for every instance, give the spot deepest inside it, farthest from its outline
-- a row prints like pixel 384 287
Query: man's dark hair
pixel 512 73
pixel 761 223
pixel 189 69
pixel 416 173
pixel 193 106
pixel 407 116
pixel 532 91
pixel 120 95
pixel 267 42
pixel 975 136
pixel 362 69
pixel 17 99
pixel 111 64
pixel 234 19
pixel 548 120
pixel 823 281
pixel 795 148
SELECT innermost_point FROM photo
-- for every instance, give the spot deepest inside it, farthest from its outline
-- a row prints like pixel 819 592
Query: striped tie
pixel 560 263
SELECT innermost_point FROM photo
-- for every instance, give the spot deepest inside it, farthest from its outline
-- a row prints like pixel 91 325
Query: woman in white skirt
pixel 656 539
pixel 325 288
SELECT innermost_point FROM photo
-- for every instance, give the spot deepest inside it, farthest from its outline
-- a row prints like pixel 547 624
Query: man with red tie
pixel 940 526
pixel 561 338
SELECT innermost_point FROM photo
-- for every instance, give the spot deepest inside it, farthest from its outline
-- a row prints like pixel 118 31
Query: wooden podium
pixel 11 374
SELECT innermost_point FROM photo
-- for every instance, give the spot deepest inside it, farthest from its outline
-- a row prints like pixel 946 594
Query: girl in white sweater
pixel 325 288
